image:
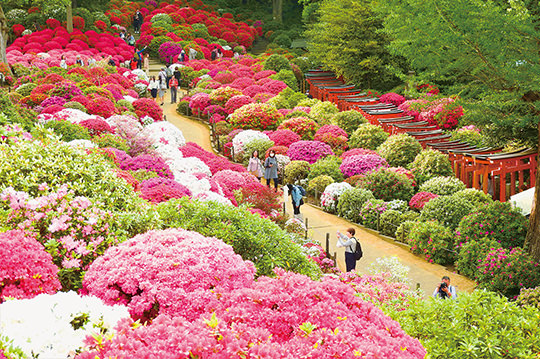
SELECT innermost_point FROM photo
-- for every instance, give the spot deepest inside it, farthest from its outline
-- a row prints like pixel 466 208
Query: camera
pixel 443 285
pixel 442 292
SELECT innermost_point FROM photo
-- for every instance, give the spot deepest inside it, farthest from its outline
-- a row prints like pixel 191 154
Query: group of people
pixel 137 21
pixel 216 54
pixel 166 79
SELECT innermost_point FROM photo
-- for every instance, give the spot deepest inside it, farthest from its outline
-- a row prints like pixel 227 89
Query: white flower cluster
pixel 399 273
pixel 44 326
pixel 331 194
pixel 141 74
pixel 243 138
pixel 212 196
pixel 69 114
pixel 189 165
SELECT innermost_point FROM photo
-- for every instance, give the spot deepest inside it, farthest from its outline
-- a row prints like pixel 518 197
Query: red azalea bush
pixel 284 137
pixel 273 318
pixel 358 151
pixel 419 200
pixel 255 116
pixel 173 271
pixel 332 135
pixel 303 126
pixel 309 151
pixel 147 162
pixel 148 107
pixel 260 197
pixel 26 269
pixel 279 150
pixel 393 98
pixel 160 189
pixel 96 126
pixel 101 106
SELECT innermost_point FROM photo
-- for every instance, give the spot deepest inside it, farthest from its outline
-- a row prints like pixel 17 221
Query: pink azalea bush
pixel 290 315
pixel 303 126
pixel 393 98
pixel 147 162
pixel 284 137
pixel 332 135
pixel 361 164
pixel 357 151
pixel 236 102
pixel 26 269
pixel 419 200
pixel 173 271
pixel 309 151
pixel 255 116
pixel 159 189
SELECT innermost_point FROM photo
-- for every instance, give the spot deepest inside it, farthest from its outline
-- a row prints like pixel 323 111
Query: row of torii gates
pixel 501 174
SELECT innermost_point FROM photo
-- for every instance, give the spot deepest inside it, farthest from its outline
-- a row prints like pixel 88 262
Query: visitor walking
pixel 348 241
pixel 444 290
pixel 153 86
pixel 255 166
pixel 168 74
pixel 146 63
pixel 162 79
pixel 297 196
pixel 213 55
pixel 192 54
pixel 137 22
pixel 182 56
pixel 271 169
pixel 178 76
pixel 173 85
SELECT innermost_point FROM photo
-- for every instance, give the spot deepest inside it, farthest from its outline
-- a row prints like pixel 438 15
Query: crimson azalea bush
pixel 387 185
pixel 96 126
pixel 159 189
pixel 332 135
pixel 72 229
pixel 282 316
pixel 284 137
pixel 303 126
pixel 361 164
pixel 171 271
pixel 393 98
pixel 309 151
pixel 498 221
pixel 26 269
pixel 255 116
pixel 261 197
pixel 148 107
pixel 419 200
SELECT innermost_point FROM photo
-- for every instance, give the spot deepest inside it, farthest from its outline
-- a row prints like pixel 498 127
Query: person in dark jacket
pixel 297 193
pixel 271 170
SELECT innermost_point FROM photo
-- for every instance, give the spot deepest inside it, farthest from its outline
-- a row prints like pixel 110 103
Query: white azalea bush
pixel 331 194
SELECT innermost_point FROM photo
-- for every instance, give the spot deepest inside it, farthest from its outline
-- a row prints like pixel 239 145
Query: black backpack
pixel 358 250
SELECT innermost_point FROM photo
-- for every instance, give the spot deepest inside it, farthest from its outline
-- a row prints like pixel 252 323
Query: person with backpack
pixel 297 193
pixel 168 74
pixel 162 79
pixel 353 249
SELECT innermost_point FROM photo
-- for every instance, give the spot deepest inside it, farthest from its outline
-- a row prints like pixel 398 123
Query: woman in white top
pixel 255 166
pixel 63 63
pixel 153 86
pixel 348 241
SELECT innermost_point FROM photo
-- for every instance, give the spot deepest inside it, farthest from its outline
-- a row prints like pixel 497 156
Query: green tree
pixel 489 50
pixel 346 39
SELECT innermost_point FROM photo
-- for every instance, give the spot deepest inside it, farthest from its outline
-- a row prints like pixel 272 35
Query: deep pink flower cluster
pixel 147 162
pixel 160 189
pixel 287 316
pixel 404 171
pixel 303 126
pixel 148 107
pixel 419 200
pixel 236 102
pixel 393 98
pixel 361 164
pixel 199 101
pixel 284 137
pixel 358 151
pixel 332 135
pixel 174 272
pixel 309 151
pixel 26 270
pixel 233 180
pixel 53 100
pixel 96 126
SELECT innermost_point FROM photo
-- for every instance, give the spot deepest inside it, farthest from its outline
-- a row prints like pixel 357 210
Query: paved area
pixel 422 273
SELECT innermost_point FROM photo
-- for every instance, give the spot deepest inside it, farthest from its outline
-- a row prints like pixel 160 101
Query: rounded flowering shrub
pixel 284 137
pixel 393 98
pixel 430 163
pixel 349 120
pixel 236 102
pixel 367 136
pixel 96 126
pixel 371 212
pixel 147 107
pixel 332 135
pixel 309 151
pixel 242 138
pixel 498 221
pixel 255 116
pixel 231 179
pixel 361 164
pixel 222 95
pixel 400 150
pixel 448 210
pixel 351 202
pixel 358 151
pixel 296 171
pixel 419 200
pixel 26 269
pixel 148 163
pixel 388 185
pixel 159 189
pixel 433 241
pixel 172 271
pixel 272 318
pixel 442 185
pixel 331 194
pixel 303 126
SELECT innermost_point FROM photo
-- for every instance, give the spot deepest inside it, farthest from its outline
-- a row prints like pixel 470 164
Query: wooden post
pixel 306 227
pixel 327 244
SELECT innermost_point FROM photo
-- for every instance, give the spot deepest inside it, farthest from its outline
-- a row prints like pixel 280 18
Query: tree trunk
pixel 532 241
pixel 277 10
pixel 69 20
pixel 4 34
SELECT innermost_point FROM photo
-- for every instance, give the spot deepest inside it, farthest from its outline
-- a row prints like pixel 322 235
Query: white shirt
pixel 451 289
pixel 348 243
pixel 63 64
pixel 153 85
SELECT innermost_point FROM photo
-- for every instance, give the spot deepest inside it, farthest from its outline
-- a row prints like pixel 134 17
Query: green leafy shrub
pixel 75 105
pixel 68 131
pixel 507 271
pixel 349 120
pixel 448 210
pixel 296 171
pixel 26 89
pixel 288 77
pixel 442 186
pixel 388 185
pixel 400 150
pixel 125 103
pixel 471 137
pixel 319 183
pixel 283 40
pixel 323 111
pixel 483 325
pixel 404 230
pixel 276 63
pixel 430 163
pixel 471 254
pixel 371 211
pixel 389 222
pixel 166 18
pixel 111 140
pixel 475 197
pixel 367 136
pixel 351 201
pixel 433 241
pixel 183 108
pixel 327 166
pixel 252 237
pixel 156 42
pixel 498 221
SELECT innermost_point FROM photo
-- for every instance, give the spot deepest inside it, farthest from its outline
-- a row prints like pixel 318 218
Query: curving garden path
pixel 422 273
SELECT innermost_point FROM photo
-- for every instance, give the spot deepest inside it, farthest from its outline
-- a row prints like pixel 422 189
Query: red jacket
pixel 173 82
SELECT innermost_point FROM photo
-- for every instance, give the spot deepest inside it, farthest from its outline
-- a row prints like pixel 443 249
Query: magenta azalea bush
pixel 173 271
pixel 303 126
pixel 393 98
pixel 361 164
pixel 289 315
pixel 26 269
pixel 309 151
pixel 159 189
pixel 419 200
